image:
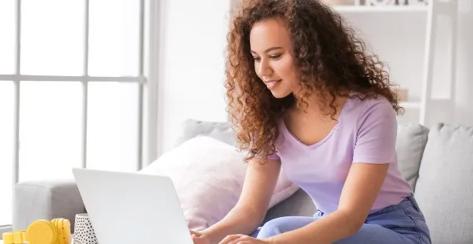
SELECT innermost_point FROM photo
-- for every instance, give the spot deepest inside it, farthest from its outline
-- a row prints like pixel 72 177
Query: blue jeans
pixel 402 223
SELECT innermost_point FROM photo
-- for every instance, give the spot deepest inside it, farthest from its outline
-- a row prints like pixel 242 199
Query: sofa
pixel 437 163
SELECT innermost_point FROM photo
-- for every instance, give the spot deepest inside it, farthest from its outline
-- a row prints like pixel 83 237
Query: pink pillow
pixel 208 175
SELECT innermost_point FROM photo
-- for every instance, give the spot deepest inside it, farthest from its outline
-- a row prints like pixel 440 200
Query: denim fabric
pixel 400 223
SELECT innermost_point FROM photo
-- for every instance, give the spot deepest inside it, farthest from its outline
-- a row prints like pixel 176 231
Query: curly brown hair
pixel 331 61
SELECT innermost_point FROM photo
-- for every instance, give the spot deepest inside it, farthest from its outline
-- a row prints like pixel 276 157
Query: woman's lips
pixel 271 83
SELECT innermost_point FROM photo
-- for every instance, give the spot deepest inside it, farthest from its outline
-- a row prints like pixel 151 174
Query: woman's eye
pixel 256 59
pixel 275 56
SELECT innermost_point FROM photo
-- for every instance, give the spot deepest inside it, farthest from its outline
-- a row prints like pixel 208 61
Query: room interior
pixel 135 87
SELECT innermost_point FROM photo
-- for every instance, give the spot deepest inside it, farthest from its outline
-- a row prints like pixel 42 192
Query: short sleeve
pixel 376 134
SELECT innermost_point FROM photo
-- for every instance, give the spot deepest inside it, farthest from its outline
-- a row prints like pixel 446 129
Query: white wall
pixel 192 65
pixel 464 90
pixel 460 111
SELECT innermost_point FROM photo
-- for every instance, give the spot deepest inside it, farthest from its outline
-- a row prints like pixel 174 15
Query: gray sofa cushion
pixel 298 204
pixel 444 189
pixel 45 200
pixel 221 131
pixel 410 145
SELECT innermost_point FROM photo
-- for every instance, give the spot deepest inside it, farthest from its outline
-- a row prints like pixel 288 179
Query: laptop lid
pixel 129 208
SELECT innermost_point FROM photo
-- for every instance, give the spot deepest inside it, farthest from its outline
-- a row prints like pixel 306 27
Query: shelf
pixel 411 40
pixel 381 9
pixel 408 105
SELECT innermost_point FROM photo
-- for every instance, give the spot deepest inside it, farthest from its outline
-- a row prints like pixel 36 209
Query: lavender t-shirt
pixel 365 133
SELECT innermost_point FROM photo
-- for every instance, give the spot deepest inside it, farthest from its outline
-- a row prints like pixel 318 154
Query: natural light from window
pixel 52 37
pixel 6 150
pixel 7 42
pixel 51 119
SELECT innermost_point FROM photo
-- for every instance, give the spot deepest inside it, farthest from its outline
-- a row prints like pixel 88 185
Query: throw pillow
pixel 444 189
pixel 208 175
pixel 410 145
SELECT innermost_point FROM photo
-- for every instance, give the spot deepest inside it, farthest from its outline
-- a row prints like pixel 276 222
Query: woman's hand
pixel 199 238
pixel 242 239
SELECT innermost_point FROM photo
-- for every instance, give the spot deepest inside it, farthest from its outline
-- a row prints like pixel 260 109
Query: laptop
pixel 129 208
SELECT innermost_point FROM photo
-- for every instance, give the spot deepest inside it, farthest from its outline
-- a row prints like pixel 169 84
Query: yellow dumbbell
pixel 18 237
pixel 56 231
pixel 63 229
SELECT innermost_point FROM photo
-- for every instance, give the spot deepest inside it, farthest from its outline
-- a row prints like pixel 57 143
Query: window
pixel 73 89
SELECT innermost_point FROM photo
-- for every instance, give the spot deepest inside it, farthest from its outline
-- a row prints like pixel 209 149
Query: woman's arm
pixel 358 195
pixel 250 209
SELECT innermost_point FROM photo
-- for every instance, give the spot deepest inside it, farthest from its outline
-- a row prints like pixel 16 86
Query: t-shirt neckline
pixel 323 140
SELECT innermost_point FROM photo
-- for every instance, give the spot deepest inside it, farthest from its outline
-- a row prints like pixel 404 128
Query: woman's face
pixel 271 48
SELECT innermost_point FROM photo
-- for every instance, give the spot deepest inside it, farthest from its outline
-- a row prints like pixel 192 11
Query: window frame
pixel 147 79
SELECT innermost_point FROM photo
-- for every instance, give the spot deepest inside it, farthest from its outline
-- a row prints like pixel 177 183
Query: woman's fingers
pixel 236 239
pixel 230 239
pixel 199 238
pixel 195 233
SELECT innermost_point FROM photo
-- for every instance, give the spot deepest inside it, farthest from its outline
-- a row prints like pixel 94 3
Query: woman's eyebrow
pixel 268 50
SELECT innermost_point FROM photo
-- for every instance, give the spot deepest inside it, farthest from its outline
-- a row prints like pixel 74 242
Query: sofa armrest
pixel 45 200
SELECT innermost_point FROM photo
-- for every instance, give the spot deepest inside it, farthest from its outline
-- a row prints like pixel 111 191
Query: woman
pixel 305 97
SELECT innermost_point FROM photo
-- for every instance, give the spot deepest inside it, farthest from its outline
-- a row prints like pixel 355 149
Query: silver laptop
pixel 129 208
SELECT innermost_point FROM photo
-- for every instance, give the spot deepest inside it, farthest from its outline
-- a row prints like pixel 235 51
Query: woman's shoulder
pixel 362 105
pixel 361 109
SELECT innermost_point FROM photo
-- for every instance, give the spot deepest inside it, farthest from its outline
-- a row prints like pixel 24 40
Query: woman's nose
pixel 264 68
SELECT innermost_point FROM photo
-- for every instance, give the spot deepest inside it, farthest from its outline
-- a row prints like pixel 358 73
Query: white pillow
pixel 208 175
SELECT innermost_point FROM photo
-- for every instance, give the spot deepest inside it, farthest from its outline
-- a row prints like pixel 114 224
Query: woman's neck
pixel 316 108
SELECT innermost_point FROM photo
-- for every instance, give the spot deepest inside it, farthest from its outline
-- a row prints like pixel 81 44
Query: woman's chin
pixel 279 95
